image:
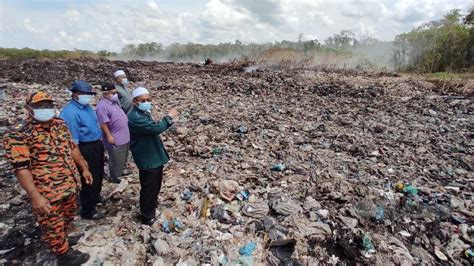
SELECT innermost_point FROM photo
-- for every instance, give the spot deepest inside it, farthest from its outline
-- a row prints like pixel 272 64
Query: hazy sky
pixel 110 24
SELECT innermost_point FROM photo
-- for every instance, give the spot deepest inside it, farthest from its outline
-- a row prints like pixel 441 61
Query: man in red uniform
pixel 45 159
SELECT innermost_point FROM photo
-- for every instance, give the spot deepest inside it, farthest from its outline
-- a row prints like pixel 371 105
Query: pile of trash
pixel 275 167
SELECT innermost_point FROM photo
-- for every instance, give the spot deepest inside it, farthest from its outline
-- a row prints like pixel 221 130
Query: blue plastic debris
pixel 175 226
pixel 367 243
pixel 248 249
pixel 217 150
pixel 243 195
pixel 278 167
pixel 165 226
pixel 186 195
pixel 178 225
pixel 242 129
pixel 411 190
pixel 223 260
pixel 469 253
pixel 380 213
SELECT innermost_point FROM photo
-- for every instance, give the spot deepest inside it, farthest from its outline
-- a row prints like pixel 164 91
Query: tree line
pixel 28 53
pixel 443 45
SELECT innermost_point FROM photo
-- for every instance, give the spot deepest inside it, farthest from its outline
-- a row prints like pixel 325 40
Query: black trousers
pixel 150 182
pixel 93 153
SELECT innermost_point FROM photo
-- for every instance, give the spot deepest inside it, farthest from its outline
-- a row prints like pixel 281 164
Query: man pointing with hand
pixel 45 159
pixel 148 151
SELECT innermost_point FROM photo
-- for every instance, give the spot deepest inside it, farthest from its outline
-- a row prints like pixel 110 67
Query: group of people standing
pixel 54 158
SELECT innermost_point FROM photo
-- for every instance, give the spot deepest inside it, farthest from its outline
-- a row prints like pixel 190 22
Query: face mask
pixel 43 115
pixel 84 99
pixel 146 106
pixel 114 98
pixel 124 81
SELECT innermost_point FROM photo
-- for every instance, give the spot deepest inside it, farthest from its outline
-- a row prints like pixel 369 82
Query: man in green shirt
pixel 148 151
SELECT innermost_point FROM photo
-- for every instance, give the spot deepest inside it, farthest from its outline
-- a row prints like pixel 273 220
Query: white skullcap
pixel 139 91
pixel 119 73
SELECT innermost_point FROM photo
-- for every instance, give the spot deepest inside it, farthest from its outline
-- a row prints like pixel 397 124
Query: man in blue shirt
pixel 82 122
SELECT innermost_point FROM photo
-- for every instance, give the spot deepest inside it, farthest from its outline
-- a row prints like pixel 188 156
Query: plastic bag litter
pixel 248 249
pixel 287 207
pixel 256 209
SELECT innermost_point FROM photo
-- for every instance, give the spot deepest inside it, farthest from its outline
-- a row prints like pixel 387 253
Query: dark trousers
pixel 93 153
pixel 150 182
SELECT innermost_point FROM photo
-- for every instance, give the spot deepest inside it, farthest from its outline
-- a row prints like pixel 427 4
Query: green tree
pixel 344 40
pixel 469 21
pixel 435 46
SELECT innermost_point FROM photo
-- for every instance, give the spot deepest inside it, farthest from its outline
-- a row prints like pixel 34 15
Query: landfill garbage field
pixel 271 166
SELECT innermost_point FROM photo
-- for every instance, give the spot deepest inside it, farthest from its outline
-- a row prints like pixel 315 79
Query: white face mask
pixel 44 115
pixel 84 99
pixel 114 98
pixel 124 81
pixel 146 106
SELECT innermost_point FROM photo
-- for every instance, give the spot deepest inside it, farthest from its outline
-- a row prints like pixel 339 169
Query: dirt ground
pixel 329 159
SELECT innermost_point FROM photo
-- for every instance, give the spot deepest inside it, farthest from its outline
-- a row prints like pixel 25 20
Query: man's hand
pixel 110 139
pixel 40 205
pixel 87 176
pixel 173 113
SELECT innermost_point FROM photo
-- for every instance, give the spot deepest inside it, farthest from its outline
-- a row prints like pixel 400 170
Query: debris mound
pixel 272 166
